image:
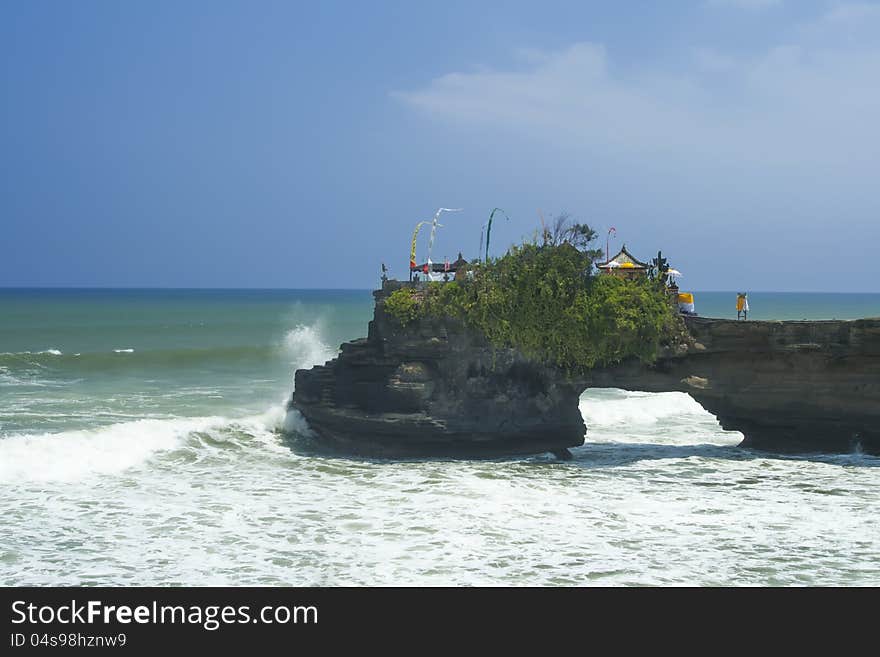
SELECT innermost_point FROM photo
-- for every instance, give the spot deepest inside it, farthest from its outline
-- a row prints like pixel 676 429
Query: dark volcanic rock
pixel 787 386
pixel 436 388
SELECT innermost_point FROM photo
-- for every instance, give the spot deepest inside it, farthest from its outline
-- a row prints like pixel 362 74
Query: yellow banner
pixel 412 251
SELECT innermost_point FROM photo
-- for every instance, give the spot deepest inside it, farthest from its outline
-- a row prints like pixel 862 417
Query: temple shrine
pixel 625 265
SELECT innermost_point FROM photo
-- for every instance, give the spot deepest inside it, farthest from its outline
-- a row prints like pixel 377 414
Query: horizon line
pixel 352 289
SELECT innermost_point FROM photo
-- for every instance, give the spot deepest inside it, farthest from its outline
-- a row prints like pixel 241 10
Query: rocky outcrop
pixel 436 388
pixel 789 386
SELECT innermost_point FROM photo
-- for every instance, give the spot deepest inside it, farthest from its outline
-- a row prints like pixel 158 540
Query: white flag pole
pixel 434 225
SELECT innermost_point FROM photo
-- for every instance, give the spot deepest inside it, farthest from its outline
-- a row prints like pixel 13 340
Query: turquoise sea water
pixel 789 305
pixel 142 442
pixel 140 353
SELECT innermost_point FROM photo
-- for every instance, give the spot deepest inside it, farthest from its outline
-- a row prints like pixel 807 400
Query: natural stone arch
pixel 438 388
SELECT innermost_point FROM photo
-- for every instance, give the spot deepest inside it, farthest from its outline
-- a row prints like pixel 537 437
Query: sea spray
pixel 608 407
pixel 294 422
pixel 75 454
pixel 304 348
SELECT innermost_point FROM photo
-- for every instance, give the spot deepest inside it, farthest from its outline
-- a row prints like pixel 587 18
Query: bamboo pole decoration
pixel 412 250
pixel 607 241
pixel 489 228
pixel 435 224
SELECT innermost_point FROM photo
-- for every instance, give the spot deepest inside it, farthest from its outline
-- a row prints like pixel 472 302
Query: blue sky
pixel 233 144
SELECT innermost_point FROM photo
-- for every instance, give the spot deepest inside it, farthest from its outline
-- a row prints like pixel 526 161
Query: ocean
pixel 144 441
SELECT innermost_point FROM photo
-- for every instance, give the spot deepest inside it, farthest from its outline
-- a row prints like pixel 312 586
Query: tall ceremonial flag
pixel 412 251
pixel 434 225
pixel 489 228
pixel 611 231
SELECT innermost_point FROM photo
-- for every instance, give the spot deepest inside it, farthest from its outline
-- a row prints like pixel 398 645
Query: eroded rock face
pixel 436 388
pixel 787 386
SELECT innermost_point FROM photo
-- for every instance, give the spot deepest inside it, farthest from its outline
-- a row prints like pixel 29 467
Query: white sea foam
pixel 618 416
pixel 617 515
pixel 44 352
pixel 6 378
pixel 123 351
pixel 9 379
pixel 294 422
pixel 637 407
pixel 305 348
pixel 72 455
pixel 645 502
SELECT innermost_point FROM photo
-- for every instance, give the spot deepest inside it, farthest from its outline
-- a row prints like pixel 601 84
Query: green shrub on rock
pixel 545 301
pixel 403 306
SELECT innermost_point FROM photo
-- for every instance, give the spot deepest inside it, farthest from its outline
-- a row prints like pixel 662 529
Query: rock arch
pixel 436 388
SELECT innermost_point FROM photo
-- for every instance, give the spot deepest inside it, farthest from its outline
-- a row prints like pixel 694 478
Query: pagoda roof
pixel 624 259
pixel 441 267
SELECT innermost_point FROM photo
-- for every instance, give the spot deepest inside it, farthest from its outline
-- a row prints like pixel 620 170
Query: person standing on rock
pixel 742 306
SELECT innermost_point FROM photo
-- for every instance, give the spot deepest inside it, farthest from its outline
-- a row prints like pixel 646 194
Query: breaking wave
pixel 71 455
pixel 619 416
pixel 112 449
pixel 305 348
pixel 615 407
